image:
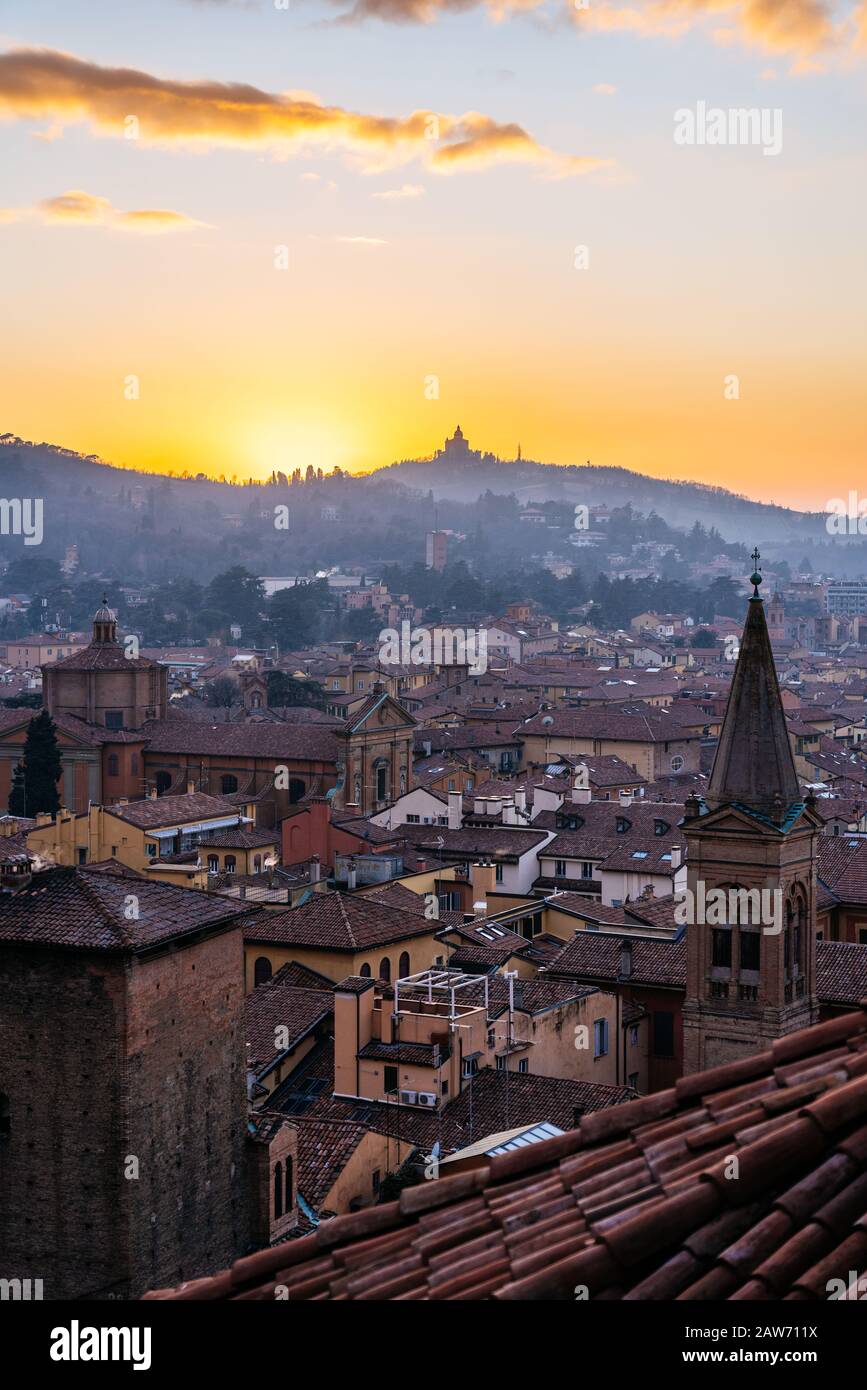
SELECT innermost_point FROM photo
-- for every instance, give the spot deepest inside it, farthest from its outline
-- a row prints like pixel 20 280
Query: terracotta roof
pixel 280 1004
pixel 86 909
pixel 637 1202
pixel 608 722
pixel 259 740
pixel 156 811
pixel 841 972
pixel 843 867
pixel 592 956
pixel 335 922
pixel 324 1149
pixel 105 656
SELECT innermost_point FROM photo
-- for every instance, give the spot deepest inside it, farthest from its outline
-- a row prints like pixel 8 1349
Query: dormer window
pixel 623 825
pixel 661 827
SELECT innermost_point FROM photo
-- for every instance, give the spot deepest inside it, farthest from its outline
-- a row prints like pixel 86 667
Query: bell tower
pixel 750 911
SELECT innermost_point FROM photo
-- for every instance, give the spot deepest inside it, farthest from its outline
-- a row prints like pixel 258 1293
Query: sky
pixel 237 237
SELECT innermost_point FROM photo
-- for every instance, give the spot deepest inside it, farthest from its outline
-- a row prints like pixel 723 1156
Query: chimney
pixel 420 865
pixel 479 805
pixel 455 810
pixel 482 878
pixel 625 958
pixel 581 795
pixel 676 857
pixel 509 817
pixel 625 798
pixel 350 877
pixel 152 794
pixel 314 868
pixel 191 787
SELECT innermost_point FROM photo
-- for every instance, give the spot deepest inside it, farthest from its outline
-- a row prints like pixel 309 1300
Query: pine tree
pixel 34 785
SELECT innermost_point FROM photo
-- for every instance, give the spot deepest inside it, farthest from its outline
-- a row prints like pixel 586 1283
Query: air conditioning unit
pixel 427 1098
pixel 408 1097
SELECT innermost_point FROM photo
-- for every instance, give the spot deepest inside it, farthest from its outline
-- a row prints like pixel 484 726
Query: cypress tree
pixel 34 784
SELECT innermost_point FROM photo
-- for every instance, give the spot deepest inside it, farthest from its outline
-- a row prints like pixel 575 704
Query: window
pixel 114 718
pixel 403 964
pixel 213 863
pixel 289 1203
pixel 228 783
pixel 229 863
pixel 586 870
pixel 633 1035
pixel 622 825
pixel 663 1033
pixel 750 950
pixel 376 1181
pixel 470 1067
pixel 559 868
pixel 262 970
pixel 382 781
pixel 163 782
pixel 365 971
pixel 278 1191
pixel 676 763
pixel 296 789
pixel 501 1064
pixel 133 764
pixel 632 1081
pixel 385 969
pixel 721 947
pixel 600 1037
pixel 151 850
pixel 661 827
pixel 413 820
pixel 112 765
pixel 523 1066
pixel 498 873
pixel 452 784
pixel 389 1080
pixel 82 856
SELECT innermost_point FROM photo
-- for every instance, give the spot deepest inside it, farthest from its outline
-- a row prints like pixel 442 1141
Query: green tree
pixel 35 789
pixel 288 690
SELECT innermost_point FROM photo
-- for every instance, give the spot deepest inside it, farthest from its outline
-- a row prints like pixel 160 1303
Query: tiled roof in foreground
pixel 639 1202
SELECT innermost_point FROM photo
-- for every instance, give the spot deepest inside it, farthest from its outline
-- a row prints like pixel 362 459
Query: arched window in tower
pixel 262 971
pixel 163 782
pixel 385 969
pixel 365 971
pixel 403 966
pixel 228 784
pixel 278 1190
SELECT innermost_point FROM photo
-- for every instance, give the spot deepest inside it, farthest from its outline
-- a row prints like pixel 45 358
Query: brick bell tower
pixel 751 955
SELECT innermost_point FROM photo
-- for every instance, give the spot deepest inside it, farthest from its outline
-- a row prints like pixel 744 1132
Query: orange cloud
pixel 39 84
pixel 86 209
pixel 797 26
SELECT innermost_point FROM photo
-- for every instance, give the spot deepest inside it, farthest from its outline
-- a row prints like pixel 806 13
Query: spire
pixel 754 763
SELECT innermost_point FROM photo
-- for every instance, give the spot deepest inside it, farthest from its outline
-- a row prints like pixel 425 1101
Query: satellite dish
pixel 547 720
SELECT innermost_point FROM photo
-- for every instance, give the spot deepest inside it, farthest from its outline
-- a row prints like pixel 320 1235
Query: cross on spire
pixel 756 576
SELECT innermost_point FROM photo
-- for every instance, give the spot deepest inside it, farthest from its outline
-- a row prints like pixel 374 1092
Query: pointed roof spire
pixel 754 763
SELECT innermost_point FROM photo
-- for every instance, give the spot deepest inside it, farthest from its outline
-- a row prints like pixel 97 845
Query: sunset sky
pixel 431 166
